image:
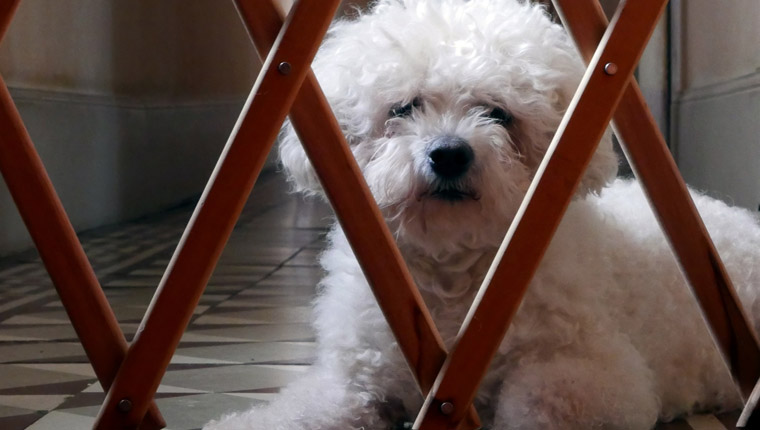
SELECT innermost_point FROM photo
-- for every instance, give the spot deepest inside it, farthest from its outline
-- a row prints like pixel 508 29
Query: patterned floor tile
pixel 27 380
pixel 37 333
pixel 265 301
pixel 242 378
pixel 57 420
pixel 260 352
pixel 186 412
pixel 251 333
pixel 305 257
pixel 40 402
pixel 289 314
pixel 80 369
pixel 238 350
pixel 15 418
pixel 35 351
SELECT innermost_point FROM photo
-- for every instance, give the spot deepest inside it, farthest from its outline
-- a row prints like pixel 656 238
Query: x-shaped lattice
pixel 131 375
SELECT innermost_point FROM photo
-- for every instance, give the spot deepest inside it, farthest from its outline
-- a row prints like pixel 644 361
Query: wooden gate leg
pixel 541 211
pixel 216 213
pixel 55 239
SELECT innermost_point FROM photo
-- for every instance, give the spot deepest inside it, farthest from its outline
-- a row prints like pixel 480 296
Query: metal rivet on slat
pixel 447 408
pixel 124 405
pixel 610 68
pixel 284 68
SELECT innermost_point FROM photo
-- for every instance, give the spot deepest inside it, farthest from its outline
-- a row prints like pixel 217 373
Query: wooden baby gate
pixel 131 373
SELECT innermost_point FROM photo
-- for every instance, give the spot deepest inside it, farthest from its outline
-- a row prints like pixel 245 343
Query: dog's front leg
pixel 610 389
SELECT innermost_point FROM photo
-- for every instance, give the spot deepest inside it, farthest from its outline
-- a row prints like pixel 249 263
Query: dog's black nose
pixel 450 156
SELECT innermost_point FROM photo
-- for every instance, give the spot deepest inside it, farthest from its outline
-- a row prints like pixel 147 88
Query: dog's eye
pixel 501 116
pixel 401 111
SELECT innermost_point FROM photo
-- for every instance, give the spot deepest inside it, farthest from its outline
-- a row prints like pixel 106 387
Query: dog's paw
pixel 577 394
pixel 252 419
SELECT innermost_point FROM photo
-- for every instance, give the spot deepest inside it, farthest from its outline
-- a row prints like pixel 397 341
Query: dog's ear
pixel 335 67
pixel 566 62
pixel 295 162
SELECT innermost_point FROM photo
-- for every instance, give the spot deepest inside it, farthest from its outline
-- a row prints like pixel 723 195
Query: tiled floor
pixel 249 336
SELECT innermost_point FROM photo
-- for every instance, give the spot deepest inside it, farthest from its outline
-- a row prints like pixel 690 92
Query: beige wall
pixel 716 97
pixel 137 48
pixel 721 41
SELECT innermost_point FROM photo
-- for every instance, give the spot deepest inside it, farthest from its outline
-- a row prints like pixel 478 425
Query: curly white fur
pixel 608 336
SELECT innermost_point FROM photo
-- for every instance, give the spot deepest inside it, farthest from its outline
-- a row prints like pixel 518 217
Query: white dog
pixel 448 106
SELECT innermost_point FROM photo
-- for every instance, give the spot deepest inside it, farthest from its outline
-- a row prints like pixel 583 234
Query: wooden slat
pixel 57 243
pixel 750 417
pixel 540 213
pixel 647 151
pixel 216 213
pixel 359 216
pixel 7 11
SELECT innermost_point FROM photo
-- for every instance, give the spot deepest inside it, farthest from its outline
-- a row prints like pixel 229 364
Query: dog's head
pixel 448 106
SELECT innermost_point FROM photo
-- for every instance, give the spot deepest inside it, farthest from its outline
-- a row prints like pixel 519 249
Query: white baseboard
pixel 730 87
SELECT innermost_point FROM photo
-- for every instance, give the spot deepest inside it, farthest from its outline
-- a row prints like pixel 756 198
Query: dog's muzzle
pixel 450 157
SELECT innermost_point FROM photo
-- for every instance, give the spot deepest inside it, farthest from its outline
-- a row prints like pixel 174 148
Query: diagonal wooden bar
pixel 750 418
pixel 7 11
pixel 653 164
pixel 359 215
pixel 540 214
pixel 215 216
pixel 59 248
